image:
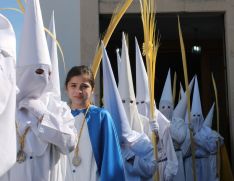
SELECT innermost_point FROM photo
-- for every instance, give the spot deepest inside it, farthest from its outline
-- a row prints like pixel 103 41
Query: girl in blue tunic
pixel 97 155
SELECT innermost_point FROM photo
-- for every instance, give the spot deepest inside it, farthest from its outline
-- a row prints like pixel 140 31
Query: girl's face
pixel 79 91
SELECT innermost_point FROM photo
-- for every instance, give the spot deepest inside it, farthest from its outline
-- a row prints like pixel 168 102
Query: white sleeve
pixel 59 133
pixel 142 166
pixel 204 139
pixel 142 145
pixel 167 146
pixel 178 130
pixel 172 162
pixel 56 128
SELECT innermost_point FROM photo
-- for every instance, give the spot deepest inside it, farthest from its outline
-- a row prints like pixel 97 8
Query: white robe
pixel 205 146
pixel 213 156
pixel 213 168
pixel 7 113
pixel 166 150
pixel 188 168
pixel 178 134
pixel 139 161
pixel 87 170
pixel 186 150
pixel 43 144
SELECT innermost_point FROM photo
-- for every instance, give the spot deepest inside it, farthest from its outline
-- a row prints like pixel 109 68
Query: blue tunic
pixel 105 143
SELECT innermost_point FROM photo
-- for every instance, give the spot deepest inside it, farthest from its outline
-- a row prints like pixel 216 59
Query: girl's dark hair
pixel 80 70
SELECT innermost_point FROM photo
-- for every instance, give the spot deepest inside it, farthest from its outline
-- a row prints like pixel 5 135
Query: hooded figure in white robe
pixel 212 157
pixel 168 163
pixel 204 144
pixel 126 89
pixel 137 149
pixel 186 146
pixel 210 138
pixel 39 129
pixel 7 95
pixel 178 131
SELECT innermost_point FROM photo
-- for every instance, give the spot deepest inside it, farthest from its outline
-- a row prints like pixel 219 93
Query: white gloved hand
pixel 154 126
pixel 34 106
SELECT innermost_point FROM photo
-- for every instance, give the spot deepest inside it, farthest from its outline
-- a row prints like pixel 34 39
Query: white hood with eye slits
pixel 33 54
pixel 196 110
pixel 166 105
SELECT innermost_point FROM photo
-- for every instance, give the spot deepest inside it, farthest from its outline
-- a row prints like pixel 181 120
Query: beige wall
pixel 90 36
pixel 67 21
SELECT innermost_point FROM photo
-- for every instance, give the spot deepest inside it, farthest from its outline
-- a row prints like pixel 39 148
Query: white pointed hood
pixel 113 102
pixel 166 105
pixel 196 103
pixel 196 110
pixel 8 142
pixel 142 90
pixel 209 117
pixel 125 87
pixel 33 55
pixel 7 37
pixel 54 84
pixel 191 83
pixel 181 107
pixel 167 91
pixel 33 48
pixel 118 62
pixel 181 91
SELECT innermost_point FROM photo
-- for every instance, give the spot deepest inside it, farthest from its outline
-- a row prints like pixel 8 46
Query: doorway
pixel 198 30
